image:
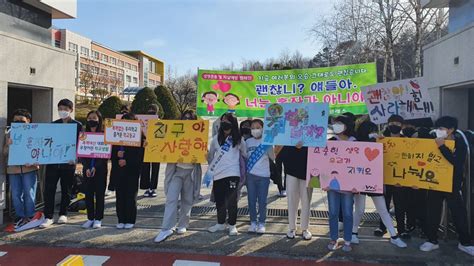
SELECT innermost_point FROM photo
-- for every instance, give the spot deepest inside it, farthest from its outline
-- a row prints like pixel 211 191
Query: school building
pixel 151 69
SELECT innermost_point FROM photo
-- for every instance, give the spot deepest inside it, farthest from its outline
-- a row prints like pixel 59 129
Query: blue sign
pixel 289 123
pixel 42 144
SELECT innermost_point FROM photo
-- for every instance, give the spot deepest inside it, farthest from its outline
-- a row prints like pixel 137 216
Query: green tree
pixel 110 107
pixel 144 98
pixel 170 108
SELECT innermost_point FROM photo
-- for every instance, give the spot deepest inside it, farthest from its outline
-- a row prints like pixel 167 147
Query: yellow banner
pixel 177 141
pixel 417 163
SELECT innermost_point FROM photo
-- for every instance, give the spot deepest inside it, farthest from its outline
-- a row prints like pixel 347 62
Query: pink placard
pixel 91 145
pixel 346 165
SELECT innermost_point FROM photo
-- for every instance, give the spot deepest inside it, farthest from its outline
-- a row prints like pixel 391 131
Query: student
pixel 182 184
pixel 294 160
pixel 258 176
pixel 60 172
pixel 149 180
pixel 277 176
pixel 446 130
pixel 367 132
pixel 128 161
pixel 22 178
pixel 124 109
pixel 343 127
pixel 95 173
pixel 245 131
pixel 224 169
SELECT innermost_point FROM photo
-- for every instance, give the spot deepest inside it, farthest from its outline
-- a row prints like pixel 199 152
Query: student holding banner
pixel 22 178
pixel 95 172
pixel 224 159
pixel 60 172
pixel 446 130
pixel 150 171
pixel 182 185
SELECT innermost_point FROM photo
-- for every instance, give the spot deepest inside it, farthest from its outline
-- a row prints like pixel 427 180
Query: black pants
pixel 458 211
pixel 149 180
pixel 420 207
pixel 404 207
pixel 126 202
pixel 53 175
pixel 225 194
pixel 95 189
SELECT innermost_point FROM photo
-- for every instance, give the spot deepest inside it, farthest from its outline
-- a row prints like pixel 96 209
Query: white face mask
pixel 441 133
pixel 373 135
pixel 64 114
pixel 338 128
pixel 256 133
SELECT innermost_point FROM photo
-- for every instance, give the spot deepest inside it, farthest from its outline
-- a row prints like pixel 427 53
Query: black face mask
pixel 408 132
pixel 226 126
pixel 245 131
pixel 92 123
pixel 20 122
pixel 394 129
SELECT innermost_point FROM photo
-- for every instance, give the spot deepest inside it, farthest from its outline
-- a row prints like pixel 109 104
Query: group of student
pixel 236 158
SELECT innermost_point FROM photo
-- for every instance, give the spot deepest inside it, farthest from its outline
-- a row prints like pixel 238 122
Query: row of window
pixel 97 56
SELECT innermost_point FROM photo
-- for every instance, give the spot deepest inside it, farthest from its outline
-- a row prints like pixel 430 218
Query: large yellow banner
pixel 416 163
pixel 177 141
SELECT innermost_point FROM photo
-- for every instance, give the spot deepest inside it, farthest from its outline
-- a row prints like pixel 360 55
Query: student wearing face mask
pixel 150 171
pixel 446 130
pixel 258 177
pixel 60 172
pixel 245 129
pixel 95 172
pixel 22 178
pixel 224 170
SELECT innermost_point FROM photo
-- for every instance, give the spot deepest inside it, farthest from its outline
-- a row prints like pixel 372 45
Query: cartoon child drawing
pixel 334 184
pixel 314 178
pixel 210 98
pixel 275 122
pixel 232 101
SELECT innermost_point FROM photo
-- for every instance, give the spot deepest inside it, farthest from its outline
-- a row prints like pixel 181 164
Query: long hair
pixel 349 123
pixel 100 127
pixel 365 128
pixel 235 133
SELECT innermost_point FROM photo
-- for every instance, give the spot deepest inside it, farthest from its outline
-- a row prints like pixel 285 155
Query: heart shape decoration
pixel 421 163
pixel 371 154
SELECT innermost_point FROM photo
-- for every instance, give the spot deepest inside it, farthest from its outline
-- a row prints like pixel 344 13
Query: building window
pixel 134 67
pixel 105 58
pixel 95 70
pixel 95 55
pixel 83 66
pixel 129 79
pixel 152 67
pixel 57 43
pixel 113 74
pixel 84 51
pixel 73 47
pixel 104 72
pixel 152 82
pixel 113 60
pixel 135 80
pixel 120 63
pixel 127 65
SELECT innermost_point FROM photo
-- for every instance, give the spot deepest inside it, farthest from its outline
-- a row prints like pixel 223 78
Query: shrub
pixel 144 98
pixel 168 102
pixel 110 107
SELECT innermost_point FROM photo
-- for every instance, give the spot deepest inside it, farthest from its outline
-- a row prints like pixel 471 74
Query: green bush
pixel 144 98
pixel 110 107
pixel 166 99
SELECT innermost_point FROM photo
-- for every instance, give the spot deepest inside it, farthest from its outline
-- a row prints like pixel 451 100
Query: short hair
pixel 231 94
pixel 66 102
pixel 129 116
pixel 350 115
pixel 190 113
pixel 22 112
pixel 258 121
pixel 396 118
pixel 334 172
pixel 447 122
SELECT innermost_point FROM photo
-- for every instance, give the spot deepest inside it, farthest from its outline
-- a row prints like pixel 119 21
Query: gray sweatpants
pixel 181 183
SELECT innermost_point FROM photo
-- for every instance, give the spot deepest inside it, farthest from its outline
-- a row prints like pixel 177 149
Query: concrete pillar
pixel 3 123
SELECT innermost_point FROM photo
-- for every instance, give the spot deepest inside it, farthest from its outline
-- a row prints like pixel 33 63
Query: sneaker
pixel 291 234
pixel 108 193
pixel 468 249
pixel 147 193
pixel 398 242
pixel 47 223
pixel 253 227
pixel 181 230
pixel 355 239
pixel 233 230
pixel 129 226
pixel 201 197
pixel 163 235
pixel 62 219
pixel 97 224
pixel 216 227
pixel 340 226
pixel 307 235
pixel 87 224
pixel 18 222
pixel 347 247
pixel 379 232
pixel 283 193
pixel 261 229
pixel 120 226
pixel 428 246
pixel 23 222
pixel 153 194
pixel 405 235
pixel 332 245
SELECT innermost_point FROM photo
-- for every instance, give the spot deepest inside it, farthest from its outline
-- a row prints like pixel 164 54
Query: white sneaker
pixel 108 193
pixel 307 235
pixel 233 230
pixel 253 227
pixel 355 239
pixel 283 193
pixel 163 235
pixel 428 246
pixel 340 226
pixel 398 242
pixel 216 227
pixel 62 219
pixel 261 229
pixel 291 234
pixel 87 224
pixel 181 230
pixel 47 223
pixel 97 224
pixel 468 249
pixel 120 226
pixel 129 226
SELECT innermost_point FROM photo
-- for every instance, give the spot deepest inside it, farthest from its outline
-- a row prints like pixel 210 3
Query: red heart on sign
pixel 371 154
pixel 225 87
pixel 216 86
pixel 421 163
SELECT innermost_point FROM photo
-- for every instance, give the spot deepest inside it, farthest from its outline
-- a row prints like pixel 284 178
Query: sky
pixel 206 34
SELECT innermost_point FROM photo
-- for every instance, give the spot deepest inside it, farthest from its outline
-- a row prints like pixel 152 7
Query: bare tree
pixel 184 90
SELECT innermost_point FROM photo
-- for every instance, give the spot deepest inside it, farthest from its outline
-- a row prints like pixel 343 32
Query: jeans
pixel 23 189
pixel 337 200
pixel 257 188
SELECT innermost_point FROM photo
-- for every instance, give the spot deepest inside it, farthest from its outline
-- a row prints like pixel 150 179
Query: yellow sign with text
pixel 417 163
pixel 177 141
